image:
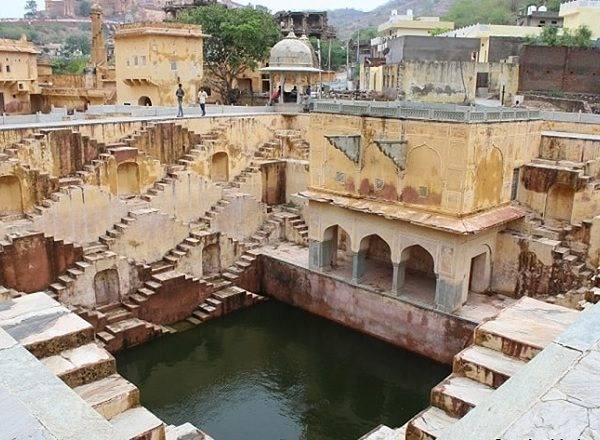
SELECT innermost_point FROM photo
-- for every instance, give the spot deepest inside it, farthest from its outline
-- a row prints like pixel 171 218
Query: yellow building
pixel 399 25
pixel 408 206
pixel 582 13
pixel 152 58
pixel 18 75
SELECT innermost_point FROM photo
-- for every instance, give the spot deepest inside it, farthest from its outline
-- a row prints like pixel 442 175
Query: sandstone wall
pixel 442 167
pixel 81 214
pixel 149 236
pixel 187 197
pixel 415 328
pixel 31 262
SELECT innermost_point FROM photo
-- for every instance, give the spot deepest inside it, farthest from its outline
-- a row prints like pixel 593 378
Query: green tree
pixel 239 39
pixel 69 66
pixel 550 36
pixel 31 8
pixel 84 9
pixel 76 45
pixel 338 52
pixel 438 31
pixel 365 34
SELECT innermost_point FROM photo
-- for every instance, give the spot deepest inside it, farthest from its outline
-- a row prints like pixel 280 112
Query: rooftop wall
pixel 422 48
pixel 559 68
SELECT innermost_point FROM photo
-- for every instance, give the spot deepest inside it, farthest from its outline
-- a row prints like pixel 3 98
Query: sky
pixel 15 8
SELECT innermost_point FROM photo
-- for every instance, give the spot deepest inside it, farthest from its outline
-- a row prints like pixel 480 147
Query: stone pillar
pixel 448 294
pixel 98 56
pixel 358 266
pixel 281 100
pixel 319 254
pixel 398 277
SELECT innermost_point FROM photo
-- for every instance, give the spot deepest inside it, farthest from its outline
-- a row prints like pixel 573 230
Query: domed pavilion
pixel 292 63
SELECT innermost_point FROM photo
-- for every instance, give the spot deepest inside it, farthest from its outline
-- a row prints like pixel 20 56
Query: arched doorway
pixel 559 203
pixel 106 287
pixel 128 179
pixel 211 259
pixel 479 277
pixel 145 101
pixel 337 255
pixel 219 169
pixel 11 197
pixel 373 263
pixel 419 278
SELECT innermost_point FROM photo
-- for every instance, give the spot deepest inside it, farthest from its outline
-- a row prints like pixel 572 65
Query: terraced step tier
pixel 429 424
pixel 139 424
pixel 458 395
pixel 81 365
pixel 43 326
pixel 525 328
pixel 110 396
pixel 486 366
pixel 187 431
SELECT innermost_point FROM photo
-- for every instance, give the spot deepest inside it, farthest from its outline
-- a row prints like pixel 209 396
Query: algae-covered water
pixel 277 372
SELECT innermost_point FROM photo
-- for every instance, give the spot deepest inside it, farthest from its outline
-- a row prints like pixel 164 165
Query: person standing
pixel 180 93
pixel 202 95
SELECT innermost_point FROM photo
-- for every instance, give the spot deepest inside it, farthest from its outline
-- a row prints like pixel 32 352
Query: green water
pixel 276 372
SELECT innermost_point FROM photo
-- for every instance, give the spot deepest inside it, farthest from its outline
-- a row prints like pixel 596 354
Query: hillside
pixel 346 21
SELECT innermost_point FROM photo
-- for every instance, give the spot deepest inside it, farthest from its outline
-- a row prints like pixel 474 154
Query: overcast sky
pixel 14 8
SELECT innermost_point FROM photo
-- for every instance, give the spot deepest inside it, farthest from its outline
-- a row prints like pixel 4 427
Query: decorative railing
pixel 433 112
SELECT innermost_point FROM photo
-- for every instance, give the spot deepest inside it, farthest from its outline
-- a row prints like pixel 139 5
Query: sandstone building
pixel 18 75
pixel 468 236
pixel 152 58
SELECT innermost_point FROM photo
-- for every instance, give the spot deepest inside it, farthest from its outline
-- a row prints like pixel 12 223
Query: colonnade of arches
pixel 412 272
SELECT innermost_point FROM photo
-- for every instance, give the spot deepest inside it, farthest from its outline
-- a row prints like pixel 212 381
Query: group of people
pixel 202 96
pixel 180 94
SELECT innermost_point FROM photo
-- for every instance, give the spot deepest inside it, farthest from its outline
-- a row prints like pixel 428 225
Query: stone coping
pixel 567 135
pixel 457 225
pixel 426 111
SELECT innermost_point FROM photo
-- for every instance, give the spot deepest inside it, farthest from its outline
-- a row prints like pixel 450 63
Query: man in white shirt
pixel 202 95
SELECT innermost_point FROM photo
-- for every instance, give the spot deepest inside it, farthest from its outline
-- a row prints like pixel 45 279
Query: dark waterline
pixel 277 372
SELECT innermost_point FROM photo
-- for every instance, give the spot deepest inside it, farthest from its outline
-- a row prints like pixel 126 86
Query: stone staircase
pixel 118 230
pixel 296 145
pixel 502 347
pixel 65 344
pixel 224 301
pixel 295 228
pixel 572 278
pixel 122 329
pixel 64 284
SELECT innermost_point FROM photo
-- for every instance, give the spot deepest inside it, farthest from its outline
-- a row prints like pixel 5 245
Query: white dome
pixel 291 52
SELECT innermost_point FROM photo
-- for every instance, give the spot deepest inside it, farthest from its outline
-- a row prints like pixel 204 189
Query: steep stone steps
pixel 223 302
pixel 502 346
pixel 81 365
pixel 110 396
pixel 525 328
pixel 486 366
pixel 429 424
pixel 458 395
pixel 139 423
